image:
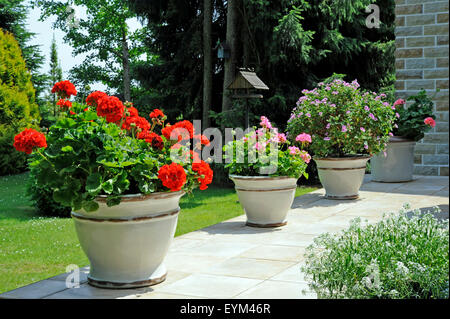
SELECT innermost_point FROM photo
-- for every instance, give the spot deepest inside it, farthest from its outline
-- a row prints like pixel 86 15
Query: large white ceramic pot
pixel 397 165
pixel 342 176
pixel 265 200
pixel 126 244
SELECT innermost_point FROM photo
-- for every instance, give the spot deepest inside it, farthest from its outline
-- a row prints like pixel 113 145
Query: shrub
pixel 42 197
pixel 405 255
pixel 18 109
pixel 342 119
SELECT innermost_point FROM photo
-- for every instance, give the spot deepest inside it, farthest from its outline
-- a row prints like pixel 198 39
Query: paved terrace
pixel 231 260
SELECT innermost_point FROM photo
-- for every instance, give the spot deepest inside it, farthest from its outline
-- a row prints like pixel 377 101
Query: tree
pixel 103 35
pixel 55 73
pixel 18 108
pixel 232 41
pixel 291 44
pixel 13 16
pixel 207 61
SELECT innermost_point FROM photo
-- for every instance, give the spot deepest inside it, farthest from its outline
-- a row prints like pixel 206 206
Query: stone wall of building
pixel 422 62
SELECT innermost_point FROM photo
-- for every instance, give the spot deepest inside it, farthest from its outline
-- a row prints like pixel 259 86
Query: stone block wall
pixel 422 49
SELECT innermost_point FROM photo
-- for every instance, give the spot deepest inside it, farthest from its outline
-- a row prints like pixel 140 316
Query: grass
pixel 33 248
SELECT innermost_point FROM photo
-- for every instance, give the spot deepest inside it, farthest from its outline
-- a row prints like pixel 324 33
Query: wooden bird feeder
pixel 244 86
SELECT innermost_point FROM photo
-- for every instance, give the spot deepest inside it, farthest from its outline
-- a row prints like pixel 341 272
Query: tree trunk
pixel 126 68
pixel 245 38
pixel 207 62
pixel 230 64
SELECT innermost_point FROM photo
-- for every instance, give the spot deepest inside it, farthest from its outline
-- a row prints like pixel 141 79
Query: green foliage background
pixel 293 45
pixel 18 108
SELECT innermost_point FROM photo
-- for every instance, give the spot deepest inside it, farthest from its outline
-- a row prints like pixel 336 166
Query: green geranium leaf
pixel 93 183
pixel 90 206
pixel 108 186
pixel 67 148
pixel 112 201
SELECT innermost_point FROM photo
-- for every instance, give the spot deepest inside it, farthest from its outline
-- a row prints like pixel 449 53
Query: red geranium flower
pixel 93 98
pixel 156 113
pixel 132 111
pixel 64 104
pixel 111 108
pixel 64 89
pixel 429 121
pixel 28 139
pixel 205 174
pixel 172 176
pixel 152 138
pixel 138 121
pixel 182 130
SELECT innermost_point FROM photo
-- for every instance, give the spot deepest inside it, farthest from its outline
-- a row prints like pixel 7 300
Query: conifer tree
pixel 18 108
pixel 55 74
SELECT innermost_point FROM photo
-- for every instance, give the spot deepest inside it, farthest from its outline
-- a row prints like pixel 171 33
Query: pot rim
pixel 259 178
pixel 400 139
pixel 141 197
pixel 353 158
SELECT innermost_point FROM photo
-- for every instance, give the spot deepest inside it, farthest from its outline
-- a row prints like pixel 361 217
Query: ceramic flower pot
pixel 126 244
pixel 397 165
pixel 265 200
pixel 341 176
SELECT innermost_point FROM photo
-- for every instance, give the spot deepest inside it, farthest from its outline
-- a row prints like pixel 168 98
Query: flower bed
pixel 400 257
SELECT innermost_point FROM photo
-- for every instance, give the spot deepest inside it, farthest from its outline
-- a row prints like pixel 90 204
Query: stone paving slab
pixel 231 260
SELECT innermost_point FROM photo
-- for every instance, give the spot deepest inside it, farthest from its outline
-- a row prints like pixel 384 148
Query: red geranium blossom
pixel 93 98
pixel 138 121
pixel 28 139
pixel 132 111
pixel 64 104
pixel 111 108
pixel 172 176
pixel 204 170
pixel 64 89
pixel 182 130
pixel 152 138
pixel 429 121
pixel 156 113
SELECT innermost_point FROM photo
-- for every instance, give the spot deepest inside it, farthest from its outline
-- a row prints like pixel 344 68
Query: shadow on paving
pixel 442 215
pixel 319 200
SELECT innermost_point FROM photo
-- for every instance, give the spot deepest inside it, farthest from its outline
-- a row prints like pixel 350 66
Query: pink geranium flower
pixel 399 102
pixel 304 138
pixel 265 122
pixel 429 121
pixel 294 150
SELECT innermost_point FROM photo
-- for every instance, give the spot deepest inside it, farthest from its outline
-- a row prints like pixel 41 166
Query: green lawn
pixel 33 248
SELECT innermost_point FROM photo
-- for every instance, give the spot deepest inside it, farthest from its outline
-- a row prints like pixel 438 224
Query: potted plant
pixel 123 177
pixel 265 170
pixel 396 164
pixel 347 127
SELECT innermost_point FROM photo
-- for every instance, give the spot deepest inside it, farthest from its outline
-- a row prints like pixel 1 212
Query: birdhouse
pixel 244 85
pixel 247 80
pixel 223 51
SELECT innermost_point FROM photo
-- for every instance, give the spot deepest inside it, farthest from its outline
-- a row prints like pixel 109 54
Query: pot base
pixel 126 285
pixel 265 225
pixel 342 197
pixel 393 182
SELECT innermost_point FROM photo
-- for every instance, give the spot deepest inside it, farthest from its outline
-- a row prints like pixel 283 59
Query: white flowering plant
pixel 405 255
pixel 342 120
